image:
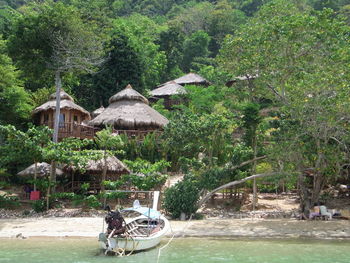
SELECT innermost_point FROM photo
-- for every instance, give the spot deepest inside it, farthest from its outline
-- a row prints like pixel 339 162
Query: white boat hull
pixel 133 243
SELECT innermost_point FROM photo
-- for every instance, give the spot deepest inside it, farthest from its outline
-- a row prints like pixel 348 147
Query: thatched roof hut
pixel 168 89
pixel 67 102
pixel 97 112
pixel 192 79
pixel 129 110
pixel 114 166
pixel 43 169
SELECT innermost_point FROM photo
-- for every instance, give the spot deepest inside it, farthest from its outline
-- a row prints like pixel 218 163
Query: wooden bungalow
pixel 93 174
pixel 129 113
pixel 72 117
pixel 166 92
pixel 176 87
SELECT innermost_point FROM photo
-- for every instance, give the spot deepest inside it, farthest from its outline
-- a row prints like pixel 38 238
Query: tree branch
pixel 248 162
pixel 206 197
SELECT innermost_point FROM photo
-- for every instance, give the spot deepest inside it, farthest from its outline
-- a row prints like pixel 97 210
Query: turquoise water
pixel 85 250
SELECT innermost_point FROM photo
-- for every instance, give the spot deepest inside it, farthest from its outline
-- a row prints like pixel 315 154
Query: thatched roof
pixel 191 78
pixel 170 88
pixel 97 112
pixel 128 109
pixel 128 94
pixel 114 166
pixel 43 169
pixel 67 102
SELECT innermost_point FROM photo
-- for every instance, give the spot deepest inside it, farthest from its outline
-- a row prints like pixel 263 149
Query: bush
pixel 92 202
pixel 7 201
pixel 182 197
pixel 39 205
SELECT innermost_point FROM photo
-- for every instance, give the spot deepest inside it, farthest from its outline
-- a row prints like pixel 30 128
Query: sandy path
pixel 90 227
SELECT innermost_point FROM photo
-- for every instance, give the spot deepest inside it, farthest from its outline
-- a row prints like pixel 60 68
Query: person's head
pixel 108 208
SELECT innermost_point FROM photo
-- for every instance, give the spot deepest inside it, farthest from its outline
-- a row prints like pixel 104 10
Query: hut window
pixel 75 118
pixel 46 118
pixel 62 120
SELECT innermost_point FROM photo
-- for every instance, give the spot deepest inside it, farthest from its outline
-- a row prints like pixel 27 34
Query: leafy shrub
pixel 182 197
pixel 92 202
pixel 145 175
pixel 65 195
pixel 4 185
pixel 7 201
pixel 39 205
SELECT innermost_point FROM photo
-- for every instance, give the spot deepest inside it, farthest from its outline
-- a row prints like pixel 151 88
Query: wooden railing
pixel 70 129
pixel 136 133
pixel 76 186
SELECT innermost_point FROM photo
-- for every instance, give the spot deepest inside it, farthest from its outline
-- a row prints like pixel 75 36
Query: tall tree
pixel 15 103
pixel 53 39
pixel 301 59
pixel 196 46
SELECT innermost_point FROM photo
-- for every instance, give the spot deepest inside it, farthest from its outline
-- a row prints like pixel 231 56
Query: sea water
pixel 201 250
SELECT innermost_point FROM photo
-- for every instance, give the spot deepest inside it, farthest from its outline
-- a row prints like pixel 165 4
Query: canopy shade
pixel 148 212
pixel 43 169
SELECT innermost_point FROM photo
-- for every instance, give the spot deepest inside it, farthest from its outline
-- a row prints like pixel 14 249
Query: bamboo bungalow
pixel 129 113
pixel 72 117
pixel 166 92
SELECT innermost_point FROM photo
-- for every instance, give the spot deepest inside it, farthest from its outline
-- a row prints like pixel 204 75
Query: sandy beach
pixel 229 228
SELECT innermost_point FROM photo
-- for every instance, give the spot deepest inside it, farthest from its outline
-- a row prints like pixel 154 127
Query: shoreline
pixel 214 228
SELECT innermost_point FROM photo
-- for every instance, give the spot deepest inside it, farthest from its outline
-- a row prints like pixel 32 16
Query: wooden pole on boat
pixel 155 200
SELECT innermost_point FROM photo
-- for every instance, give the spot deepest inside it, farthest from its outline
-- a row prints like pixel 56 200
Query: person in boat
pixel 115 221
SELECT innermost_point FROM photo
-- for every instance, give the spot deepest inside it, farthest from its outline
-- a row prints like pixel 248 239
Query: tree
pixel 122 67
pixel 251 120
pixel 107 142
pixel 196 46
pixel 223 20
pixel 301 61
pixel 15 103
pixel 171 42
pixel 54 39
pixel 23 147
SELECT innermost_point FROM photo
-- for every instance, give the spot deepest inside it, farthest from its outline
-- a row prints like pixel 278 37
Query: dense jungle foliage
pixel 293 107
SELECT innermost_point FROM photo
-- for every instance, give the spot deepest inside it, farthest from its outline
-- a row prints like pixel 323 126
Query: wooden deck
pixel 68 129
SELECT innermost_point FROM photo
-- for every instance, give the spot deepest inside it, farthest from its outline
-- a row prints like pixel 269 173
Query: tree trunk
pixel 255 194
pixel 53 176
pixel 58 106
pixel 56 124
pixel 104 173
pixel 35 174
pixel 305 196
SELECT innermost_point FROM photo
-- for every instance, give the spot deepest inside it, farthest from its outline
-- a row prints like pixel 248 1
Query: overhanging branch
pixel 206 197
